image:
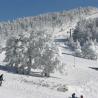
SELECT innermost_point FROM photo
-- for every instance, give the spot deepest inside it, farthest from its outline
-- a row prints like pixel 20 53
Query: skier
pixel 1 79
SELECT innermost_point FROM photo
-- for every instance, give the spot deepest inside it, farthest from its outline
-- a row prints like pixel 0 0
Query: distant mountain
pixel 56 22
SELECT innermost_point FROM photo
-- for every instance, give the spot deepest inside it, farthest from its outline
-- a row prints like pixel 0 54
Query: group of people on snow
pixel 74 96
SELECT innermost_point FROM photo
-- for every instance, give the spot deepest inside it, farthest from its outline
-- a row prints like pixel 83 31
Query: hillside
pixel 77 75
pixel 79 79
pixel 58 22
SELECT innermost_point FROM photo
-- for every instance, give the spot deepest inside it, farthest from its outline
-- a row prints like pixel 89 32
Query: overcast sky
pixel 12 9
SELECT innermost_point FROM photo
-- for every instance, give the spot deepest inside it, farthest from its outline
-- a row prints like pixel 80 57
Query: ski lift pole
pixel 74 61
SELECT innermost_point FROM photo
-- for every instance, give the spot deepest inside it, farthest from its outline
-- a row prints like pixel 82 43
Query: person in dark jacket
pixel 1 79
pixel 73 95
pixel 81 96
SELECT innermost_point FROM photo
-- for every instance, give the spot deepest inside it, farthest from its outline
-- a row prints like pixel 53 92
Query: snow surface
pixel 77 76
pixel 79 79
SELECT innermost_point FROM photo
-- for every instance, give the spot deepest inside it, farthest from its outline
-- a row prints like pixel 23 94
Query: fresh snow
pixel 76 76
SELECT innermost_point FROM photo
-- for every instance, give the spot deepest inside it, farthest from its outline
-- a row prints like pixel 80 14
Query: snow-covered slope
pixel 95 15
pixel 58 22
pixel 79 79
pixel 77 76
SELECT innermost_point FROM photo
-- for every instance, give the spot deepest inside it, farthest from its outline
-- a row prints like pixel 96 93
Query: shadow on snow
pixel 13 70
pixel 95 68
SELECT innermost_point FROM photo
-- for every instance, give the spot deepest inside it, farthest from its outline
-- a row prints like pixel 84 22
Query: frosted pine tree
pixel 16 53
pixel 22 54
pixel 11 53
pixel 42 53
pixel 36 42
pixel 49 60
pixel 71 43
pixel 35 51
pixel 89 50
pixel 78 51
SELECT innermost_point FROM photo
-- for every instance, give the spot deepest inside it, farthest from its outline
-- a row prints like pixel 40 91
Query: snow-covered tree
pixel 43 52
pixel 16 53
pixel 49 60
pixel 89 50
pixel 41 22
pixel 34 51
pixel 71 43
pixel 11 54
pixel 78 51
pixel 36 44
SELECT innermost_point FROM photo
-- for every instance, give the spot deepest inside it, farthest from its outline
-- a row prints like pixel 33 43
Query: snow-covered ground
pixel 77 77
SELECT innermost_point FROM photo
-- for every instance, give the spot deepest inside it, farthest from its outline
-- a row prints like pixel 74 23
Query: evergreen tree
pixel 36 51
pixel 89 50
pixel 78 51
